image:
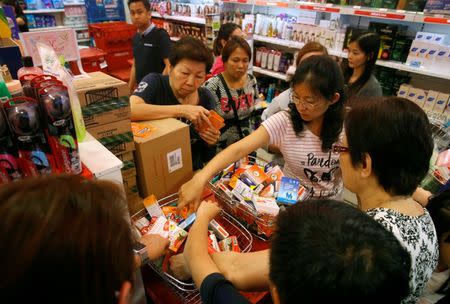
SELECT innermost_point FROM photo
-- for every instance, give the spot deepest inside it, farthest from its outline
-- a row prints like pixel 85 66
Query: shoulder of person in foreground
pixel 149 86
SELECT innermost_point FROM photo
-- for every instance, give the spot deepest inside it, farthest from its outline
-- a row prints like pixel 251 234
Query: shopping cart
pixel 187 290
pixel 261 225
pixel 436 177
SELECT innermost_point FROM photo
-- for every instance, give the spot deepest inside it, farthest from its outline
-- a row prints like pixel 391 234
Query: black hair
pixel 396 133
pixel 192 49
pixel 323 75
pixel 233 44
pixel 439 209
pixel 224 33
pixel 369 43
pixel 144 2
pixel 325 251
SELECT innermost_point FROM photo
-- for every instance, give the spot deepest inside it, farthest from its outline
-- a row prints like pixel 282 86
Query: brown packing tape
pixel 99 87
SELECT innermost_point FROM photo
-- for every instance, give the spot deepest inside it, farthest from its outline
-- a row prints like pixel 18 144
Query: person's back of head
pixel 223 35
pixel 64 240
pixel 396 134
pixel 326 251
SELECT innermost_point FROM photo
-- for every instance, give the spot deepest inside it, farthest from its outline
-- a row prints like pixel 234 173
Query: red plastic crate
pixel 113 36
pixel 123 74
pixel 92 60
pixel 119 60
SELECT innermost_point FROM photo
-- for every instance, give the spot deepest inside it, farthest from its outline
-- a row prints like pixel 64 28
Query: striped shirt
pixel 304 158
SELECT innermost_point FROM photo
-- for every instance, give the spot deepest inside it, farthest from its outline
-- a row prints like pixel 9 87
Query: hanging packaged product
pixel 9 165
pixel 38 79
pixel 34 152
pixel 56 109
pixel 28 90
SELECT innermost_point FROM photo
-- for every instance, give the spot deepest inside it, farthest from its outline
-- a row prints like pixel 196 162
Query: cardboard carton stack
pixel 106 111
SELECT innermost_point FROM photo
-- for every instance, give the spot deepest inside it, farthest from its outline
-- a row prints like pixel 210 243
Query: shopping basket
pixel 187 290
pixel 261 225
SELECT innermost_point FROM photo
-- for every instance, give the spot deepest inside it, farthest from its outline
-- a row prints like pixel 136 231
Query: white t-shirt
pixel 304 158
pixel 434 284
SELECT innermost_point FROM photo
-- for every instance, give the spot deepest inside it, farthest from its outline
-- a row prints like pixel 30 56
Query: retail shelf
pixel 294 44
pixel 175 38
pixel 197 20
pixel 84 40
pixel 404 67
pixel 73 4
pixel 76 16
pixel 36 29
pixel 380 13
pixel 44 11
pixel 80 28
pixel 270 73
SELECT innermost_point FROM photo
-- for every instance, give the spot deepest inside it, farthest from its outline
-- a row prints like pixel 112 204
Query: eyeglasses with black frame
pixel 338 149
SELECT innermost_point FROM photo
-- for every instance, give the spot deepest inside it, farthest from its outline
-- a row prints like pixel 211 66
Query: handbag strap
pixel 233 106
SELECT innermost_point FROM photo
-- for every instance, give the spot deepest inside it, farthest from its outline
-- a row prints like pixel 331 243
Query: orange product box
pixel 256 174
pixel 215 120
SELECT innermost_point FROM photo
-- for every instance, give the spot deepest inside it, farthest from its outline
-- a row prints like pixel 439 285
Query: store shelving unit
pixel 190 19
pixel 44 11
pixel 359 14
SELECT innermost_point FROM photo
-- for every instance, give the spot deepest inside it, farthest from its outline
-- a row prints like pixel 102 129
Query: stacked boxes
pixel 435 104
pixel 106 112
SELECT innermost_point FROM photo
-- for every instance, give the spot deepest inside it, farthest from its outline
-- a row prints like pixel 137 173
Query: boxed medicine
pixel 163 158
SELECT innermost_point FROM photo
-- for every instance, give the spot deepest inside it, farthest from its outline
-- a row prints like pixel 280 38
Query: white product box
pixel 430 100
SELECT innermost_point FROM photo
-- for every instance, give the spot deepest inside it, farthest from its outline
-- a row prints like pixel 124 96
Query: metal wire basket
pixel 441 135
pixel 187 290
pixel 260 225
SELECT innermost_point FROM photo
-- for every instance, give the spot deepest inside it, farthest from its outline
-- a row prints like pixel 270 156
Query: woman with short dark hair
pixel 180 95
pixel 384 156
pixel 235 92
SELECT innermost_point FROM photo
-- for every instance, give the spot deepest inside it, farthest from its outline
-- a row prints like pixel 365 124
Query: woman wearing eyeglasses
pixel 384 155
pixel 304 134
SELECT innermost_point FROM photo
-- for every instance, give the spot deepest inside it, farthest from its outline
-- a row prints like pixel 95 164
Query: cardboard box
pixel 128 169
pixel 130 184
pixel 403 90
pixel 430 101
pixel 99 88
pixel 116 136
pixel 441 103
pixel 420 97
pixel 163 159
pixel 106 112
pixel 126 157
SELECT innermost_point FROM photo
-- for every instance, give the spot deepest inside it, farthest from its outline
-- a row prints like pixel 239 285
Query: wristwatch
pixel 141 250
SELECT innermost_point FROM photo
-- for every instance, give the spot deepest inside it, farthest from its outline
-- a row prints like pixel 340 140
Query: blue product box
pixel 288 190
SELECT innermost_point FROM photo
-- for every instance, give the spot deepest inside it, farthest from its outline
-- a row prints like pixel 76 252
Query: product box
pixel 412 94
pixel 420 97
pixel 126 157
pixel 430 100
pixel 288 193
pixel 444 99
pixel 441 103
pixel 163 159
pixel 404 90
pixel 100 87
pixel 106 112
pixel 116 136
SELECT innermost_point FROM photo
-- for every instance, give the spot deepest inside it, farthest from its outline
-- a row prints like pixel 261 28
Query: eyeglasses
pixel 309 106
pixel 337 149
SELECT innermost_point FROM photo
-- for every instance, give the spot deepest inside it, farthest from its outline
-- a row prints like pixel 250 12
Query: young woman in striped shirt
pixel 304 134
